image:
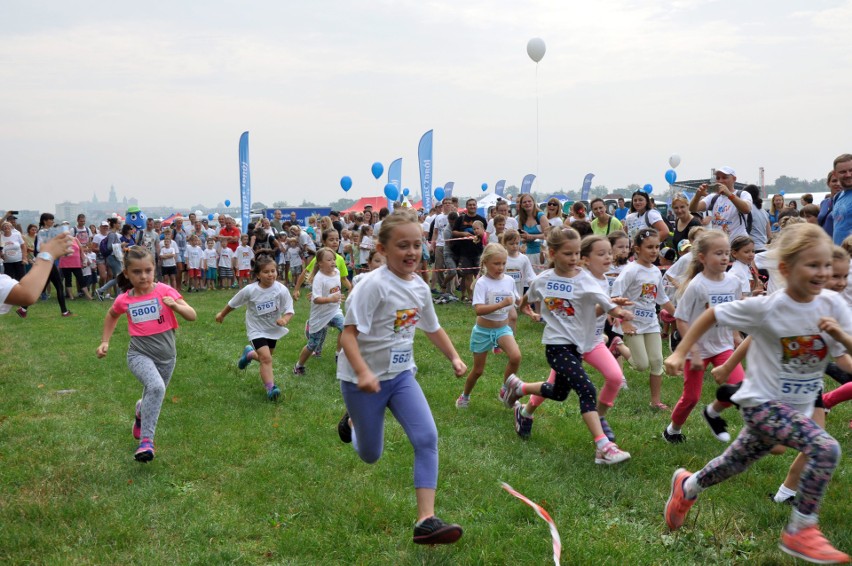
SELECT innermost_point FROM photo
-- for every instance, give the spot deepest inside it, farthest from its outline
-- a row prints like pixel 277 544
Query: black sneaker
pixel 435 531
pixel 718 426
pixel 523 425
pixel 344 430
pixel 676 438
pixel 607 430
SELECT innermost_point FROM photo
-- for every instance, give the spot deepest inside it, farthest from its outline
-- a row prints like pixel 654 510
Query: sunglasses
pixel 552 204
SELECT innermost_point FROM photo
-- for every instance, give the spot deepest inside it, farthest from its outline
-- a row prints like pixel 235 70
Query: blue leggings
pixel 567 362
pixel 403 396
pixel 776 423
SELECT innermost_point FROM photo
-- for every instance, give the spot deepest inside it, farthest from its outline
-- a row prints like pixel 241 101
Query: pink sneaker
pixel 137 422
pixel 678 504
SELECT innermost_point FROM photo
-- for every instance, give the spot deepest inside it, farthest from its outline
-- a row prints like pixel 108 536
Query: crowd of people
pixel 721 280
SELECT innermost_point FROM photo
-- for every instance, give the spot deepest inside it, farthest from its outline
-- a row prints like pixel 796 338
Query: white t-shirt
pixel 764 261
pixel 488 291
pixel 323 286
pixel 644 287
pixel 244 256
pixel 557 221
pixel 91 261
pixel 743 275
pixel 305 241
pixel 725 216
pixel 520 270
pixel 678 270
pixel 568 307
pixel 605 285
pixel 702 293
pixel 385 310
pixel 511 224
pixel 440 224
pixel 635 222
pixel 194 255
pixel 263 307
pixel 12 248
pixel 210 257
pixel 226 257
pixel 170 250
pixel 788 353
pixel 6 284
pixel 294 256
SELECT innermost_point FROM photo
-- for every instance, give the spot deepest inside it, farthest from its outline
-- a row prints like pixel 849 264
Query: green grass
pixel 240 480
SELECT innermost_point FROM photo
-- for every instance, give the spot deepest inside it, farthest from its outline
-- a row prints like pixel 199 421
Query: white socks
pixel 691 487
pixel 799 521
pixel 672 429
pixel 711 412
pixel 784 493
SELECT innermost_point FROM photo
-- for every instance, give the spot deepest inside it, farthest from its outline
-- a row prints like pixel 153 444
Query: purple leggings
pixel 403 396
pixel 776 423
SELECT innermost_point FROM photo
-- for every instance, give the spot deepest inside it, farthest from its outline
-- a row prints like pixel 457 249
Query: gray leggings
pixel 154 376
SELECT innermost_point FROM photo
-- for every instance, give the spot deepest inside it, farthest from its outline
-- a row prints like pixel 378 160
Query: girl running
pixel 493 296
pixel 792 334
pixel 519 268
pixel 642 283
pixel 376 370
pixel 269 308
pixel 742 266
pixel 569 299
pixel 151 323
pixel 707 284
pixel 325 306
pixel 596 253
pixel 620 254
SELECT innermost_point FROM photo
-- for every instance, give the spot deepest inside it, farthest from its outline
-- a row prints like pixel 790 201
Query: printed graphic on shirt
pixel 559 307
pixel 649 291
pixel 406 319
pixel 803 355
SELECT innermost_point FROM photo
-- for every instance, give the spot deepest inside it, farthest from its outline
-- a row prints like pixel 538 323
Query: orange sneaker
pixel 810 544
pixel 678 505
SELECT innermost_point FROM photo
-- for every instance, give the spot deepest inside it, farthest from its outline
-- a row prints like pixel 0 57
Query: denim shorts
pixel 315 339
pixel 485 339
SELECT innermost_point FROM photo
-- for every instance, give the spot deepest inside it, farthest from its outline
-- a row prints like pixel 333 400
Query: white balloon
pixel 674 161
pixel 536 49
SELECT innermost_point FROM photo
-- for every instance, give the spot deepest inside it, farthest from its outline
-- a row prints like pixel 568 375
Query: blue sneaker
pixel 145 452
pixel 244 360
pixel 274 393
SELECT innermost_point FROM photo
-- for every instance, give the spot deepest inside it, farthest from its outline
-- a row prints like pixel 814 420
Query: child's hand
pixel 169 302
pixel 220 316
pixel 459 367
pixel 103 349
pixel 335 298
pixel 674 364
pixel 721 373
pixel 627 326
pixel 695 361
pixel 368 383
pixel 507 302
pixel 622 301
pixel 830 325
pixel 282 321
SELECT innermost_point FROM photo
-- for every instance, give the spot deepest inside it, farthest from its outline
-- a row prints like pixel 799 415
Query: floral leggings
pixel 777 423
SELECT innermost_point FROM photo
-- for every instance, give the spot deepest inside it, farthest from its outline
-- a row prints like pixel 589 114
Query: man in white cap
pixel 729 210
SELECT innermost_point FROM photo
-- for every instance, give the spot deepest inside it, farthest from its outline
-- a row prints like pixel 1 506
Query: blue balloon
pixel 484 187
pixel 210 216
pixel 227 203
pixel 648 188
pixel 405 192
pixel 377 169
pixel 439 193
pixel 671 176
pixel 391 192
pixel 782 193
pixel 345 183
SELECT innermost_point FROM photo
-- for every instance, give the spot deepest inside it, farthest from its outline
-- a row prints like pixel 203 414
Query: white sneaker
pixel 512 394
pixel 611 454
pixel 462 402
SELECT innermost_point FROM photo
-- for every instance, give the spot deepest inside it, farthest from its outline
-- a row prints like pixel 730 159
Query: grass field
pixel 240 480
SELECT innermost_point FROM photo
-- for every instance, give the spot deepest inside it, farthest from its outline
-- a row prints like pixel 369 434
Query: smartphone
pixel 713 187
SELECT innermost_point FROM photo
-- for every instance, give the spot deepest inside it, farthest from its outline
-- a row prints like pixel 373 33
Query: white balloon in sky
pixel 536 49
pixel 674 161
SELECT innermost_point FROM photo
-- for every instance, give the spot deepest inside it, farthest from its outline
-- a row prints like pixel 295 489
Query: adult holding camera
pixel 47 232
pixel 728 209
pixel 26 291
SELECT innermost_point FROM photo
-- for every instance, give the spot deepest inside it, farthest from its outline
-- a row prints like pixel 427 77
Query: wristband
pixel 45 256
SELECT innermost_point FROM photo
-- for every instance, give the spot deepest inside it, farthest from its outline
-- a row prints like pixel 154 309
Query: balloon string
pixel 536 123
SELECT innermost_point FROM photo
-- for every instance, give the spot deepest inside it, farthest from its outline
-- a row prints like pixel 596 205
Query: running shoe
pixel 145 452
pixel 512 394
pixel 607 430
pixel 611 454
pixel 137 422
pixel 99 294
pixel 523 425
pixel 274 393
pixel 659 406
pixel 344 429
pixel 501 395
pixel 811 545
pixel 244 360
pixel 67 314
pixel 298 370
pixel 462 402
pixel 718 426
pixel 435 531
pixel 22 312
pixel 673 437
pixel 678 504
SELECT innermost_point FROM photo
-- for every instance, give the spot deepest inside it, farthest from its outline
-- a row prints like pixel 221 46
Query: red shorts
pixel 195 273
pixel 244 273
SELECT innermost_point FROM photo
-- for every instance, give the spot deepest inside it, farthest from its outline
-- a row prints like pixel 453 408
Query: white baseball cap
pixel 727 171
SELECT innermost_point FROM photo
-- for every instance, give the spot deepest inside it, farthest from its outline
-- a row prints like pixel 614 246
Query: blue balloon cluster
pixel 377 169
pixel 345 183
pixel 391 191
pixel 439 193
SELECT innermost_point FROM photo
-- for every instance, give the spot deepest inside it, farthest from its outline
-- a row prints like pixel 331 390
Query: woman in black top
pixel 684 220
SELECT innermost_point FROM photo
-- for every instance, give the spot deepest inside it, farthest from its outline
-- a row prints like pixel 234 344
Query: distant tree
pixel 307 204
pixel 342 204
pixel 257 205
pixel 280 204
pixel 599 191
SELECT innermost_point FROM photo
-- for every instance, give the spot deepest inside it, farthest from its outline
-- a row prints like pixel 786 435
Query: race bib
pixel 144 311
pixel 400 359
pixel 644 314
pixel 266 307
pixel 496 298
pixel 720 298
pixel 559 289
pixel 798 391
pixel 514 274
pixel 599 331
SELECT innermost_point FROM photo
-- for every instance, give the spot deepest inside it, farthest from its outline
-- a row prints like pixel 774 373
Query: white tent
pixel 488 200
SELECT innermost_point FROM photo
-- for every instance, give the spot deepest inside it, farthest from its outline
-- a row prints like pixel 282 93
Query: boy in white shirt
pixel 243 257
pixel 211 258
pixel 194 259
pixel 293 253
pixel 226 267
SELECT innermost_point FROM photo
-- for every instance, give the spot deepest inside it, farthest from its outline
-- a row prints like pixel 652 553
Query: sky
pixel 152 97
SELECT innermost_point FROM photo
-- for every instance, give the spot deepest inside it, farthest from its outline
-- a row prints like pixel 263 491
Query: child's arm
pixel 180 307
pixel 830 325
pixel 674 363
pixel 220 316
pixel 695 360
pixel 483 309
pixel 668 306
pixel 284 319
pixel 440 339
pixel 721 373
pixel 110 322
pixel 367 381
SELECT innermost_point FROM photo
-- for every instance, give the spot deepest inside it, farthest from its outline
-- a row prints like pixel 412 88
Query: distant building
pixel 94 209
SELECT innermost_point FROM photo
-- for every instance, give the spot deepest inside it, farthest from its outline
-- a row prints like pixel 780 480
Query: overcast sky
pixel 152 96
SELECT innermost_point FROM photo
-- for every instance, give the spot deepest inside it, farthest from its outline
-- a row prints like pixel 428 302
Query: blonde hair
pixel 797 239
pixel 558 238
pixel 320 253
pixel 588 242
pixel 490 251
pixel 700 247
pixel 399 217
pixel 790 221
pixel 694 232
pixel 839 254
pixel 680 197
pixel 509 235
pixel 846 244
